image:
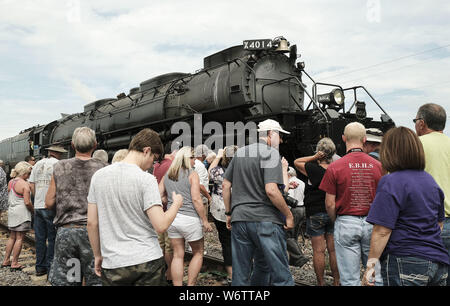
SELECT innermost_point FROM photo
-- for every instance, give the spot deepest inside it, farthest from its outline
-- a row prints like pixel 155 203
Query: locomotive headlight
pixel 334 99
pixel 338 96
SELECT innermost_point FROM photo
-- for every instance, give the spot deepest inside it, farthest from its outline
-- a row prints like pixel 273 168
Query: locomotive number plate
pixel 258 44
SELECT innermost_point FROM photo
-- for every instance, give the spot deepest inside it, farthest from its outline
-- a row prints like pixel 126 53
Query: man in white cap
pixel 372 145
pixel 43 219
pixel 258 212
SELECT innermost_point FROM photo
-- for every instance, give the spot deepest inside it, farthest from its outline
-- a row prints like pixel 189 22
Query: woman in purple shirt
pixel 407 213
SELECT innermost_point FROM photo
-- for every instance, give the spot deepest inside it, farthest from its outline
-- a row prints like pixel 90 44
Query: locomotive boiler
pixel 257 80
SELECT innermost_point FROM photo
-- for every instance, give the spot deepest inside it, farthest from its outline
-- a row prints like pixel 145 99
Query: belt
pixel 73 226
pixel 352 216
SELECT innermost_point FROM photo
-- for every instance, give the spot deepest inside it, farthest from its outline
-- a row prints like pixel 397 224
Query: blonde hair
pixel 355 131
pixel 22 168
pixel 119 155
pixel 182 160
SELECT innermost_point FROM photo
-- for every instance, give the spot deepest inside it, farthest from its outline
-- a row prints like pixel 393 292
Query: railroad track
pixel 216 264
pixel 211 265
pixel 27 258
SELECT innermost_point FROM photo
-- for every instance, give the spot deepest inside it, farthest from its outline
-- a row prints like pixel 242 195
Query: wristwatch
pixel 228 213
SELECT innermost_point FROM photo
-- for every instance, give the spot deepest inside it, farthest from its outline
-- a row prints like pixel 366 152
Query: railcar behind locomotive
pixel 257 80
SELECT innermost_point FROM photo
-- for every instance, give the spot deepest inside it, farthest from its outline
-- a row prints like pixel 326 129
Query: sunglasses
pixel 414 120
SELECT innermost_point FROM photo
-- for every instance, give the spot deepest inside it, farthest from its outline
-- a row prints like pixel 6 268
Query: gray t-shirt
pixel 123 192
pixel 41 176
pixel 182 187
pixel 253 167
pixel 72 178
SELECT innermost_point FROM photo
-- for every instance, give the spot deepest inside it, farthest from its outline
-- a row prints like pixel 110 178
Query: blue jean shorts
pixel 319 224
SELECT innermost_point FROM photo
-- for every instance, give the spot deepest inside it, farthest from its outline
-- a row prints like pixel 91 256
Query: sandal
pixel 5 266
pixel 19 268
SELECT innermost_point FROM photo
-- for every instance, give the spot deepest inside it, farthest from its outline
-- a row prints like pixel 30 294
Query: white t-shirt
pixel 122 193
pixel 200 168
pixel 299 192
pixel 41 176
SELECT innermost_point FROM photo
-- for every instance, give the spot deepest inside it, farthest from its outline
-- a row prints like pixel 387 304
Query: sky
pixel 58 55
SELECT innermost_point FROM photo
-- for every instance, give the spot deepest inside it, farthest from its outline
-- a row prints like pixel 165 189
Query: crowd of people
pixel 382 205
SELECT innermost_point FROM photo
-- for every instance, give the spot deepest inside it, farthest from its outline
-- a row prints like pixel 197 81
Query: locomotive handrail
pixel 304 88
pixel 354 88
pixel 314 82
pixel 182 118
pixel 313 99
pixel 252 71
pixel 314 89
pixel 327 84
pixel 278 81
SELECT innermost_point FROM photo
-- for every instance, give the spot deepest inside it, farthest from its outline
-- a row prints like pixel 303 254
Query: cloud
pixel 77 51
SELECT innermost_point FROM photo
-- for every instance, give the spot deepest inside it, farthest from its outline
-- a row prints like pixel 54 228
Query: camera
pixel 290 201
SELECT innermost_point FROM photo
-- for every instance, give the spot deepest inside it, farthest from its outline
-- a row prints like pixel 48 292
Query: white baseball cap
pixel 270 125
pixel 374 135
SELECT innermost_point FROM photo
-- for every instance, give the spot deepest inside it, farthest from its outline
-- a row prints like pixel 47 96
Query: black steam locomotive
pixel 257 80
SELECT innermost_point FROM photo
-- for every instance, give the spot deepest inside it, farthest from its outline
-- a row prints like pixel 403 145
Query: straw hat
pixel 57 149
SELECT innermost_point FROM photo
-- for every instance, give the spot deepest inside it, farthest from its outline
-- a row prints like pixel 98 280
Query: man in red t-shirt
pixel 159 170
pixel 350 184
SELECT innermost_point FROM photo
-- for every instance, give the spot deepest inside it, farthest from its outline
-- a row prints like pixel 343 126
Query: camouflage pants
pixel 73 259
pixel 150 273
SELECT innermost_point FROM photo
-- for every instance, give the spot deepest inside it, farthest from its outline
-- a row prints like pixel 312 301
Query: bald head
pixel 355 132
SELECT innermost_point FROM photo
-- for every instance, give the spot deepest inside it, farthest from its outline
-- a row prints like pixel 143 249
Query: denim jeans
pixel 352 243
pixel 412 271
pixel 446 239
pixel 319 224
pixel 44 232
pixel 259 255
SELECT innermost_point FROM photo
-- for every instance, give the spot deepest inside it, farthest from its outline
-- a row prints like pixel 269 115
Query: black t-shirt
pixel 314 197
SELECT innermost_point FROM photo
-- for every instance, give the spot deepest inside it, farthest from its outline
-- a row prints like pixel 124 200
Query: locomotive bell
pixel 283 46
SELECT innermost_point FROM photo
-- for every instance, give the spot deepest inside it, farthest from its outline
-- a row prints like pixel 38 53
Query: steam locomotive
pixel 257 80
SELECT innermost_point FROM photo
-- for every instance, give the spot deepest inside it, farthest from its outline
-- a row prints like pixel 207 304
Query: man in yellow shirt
pixel 430 123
